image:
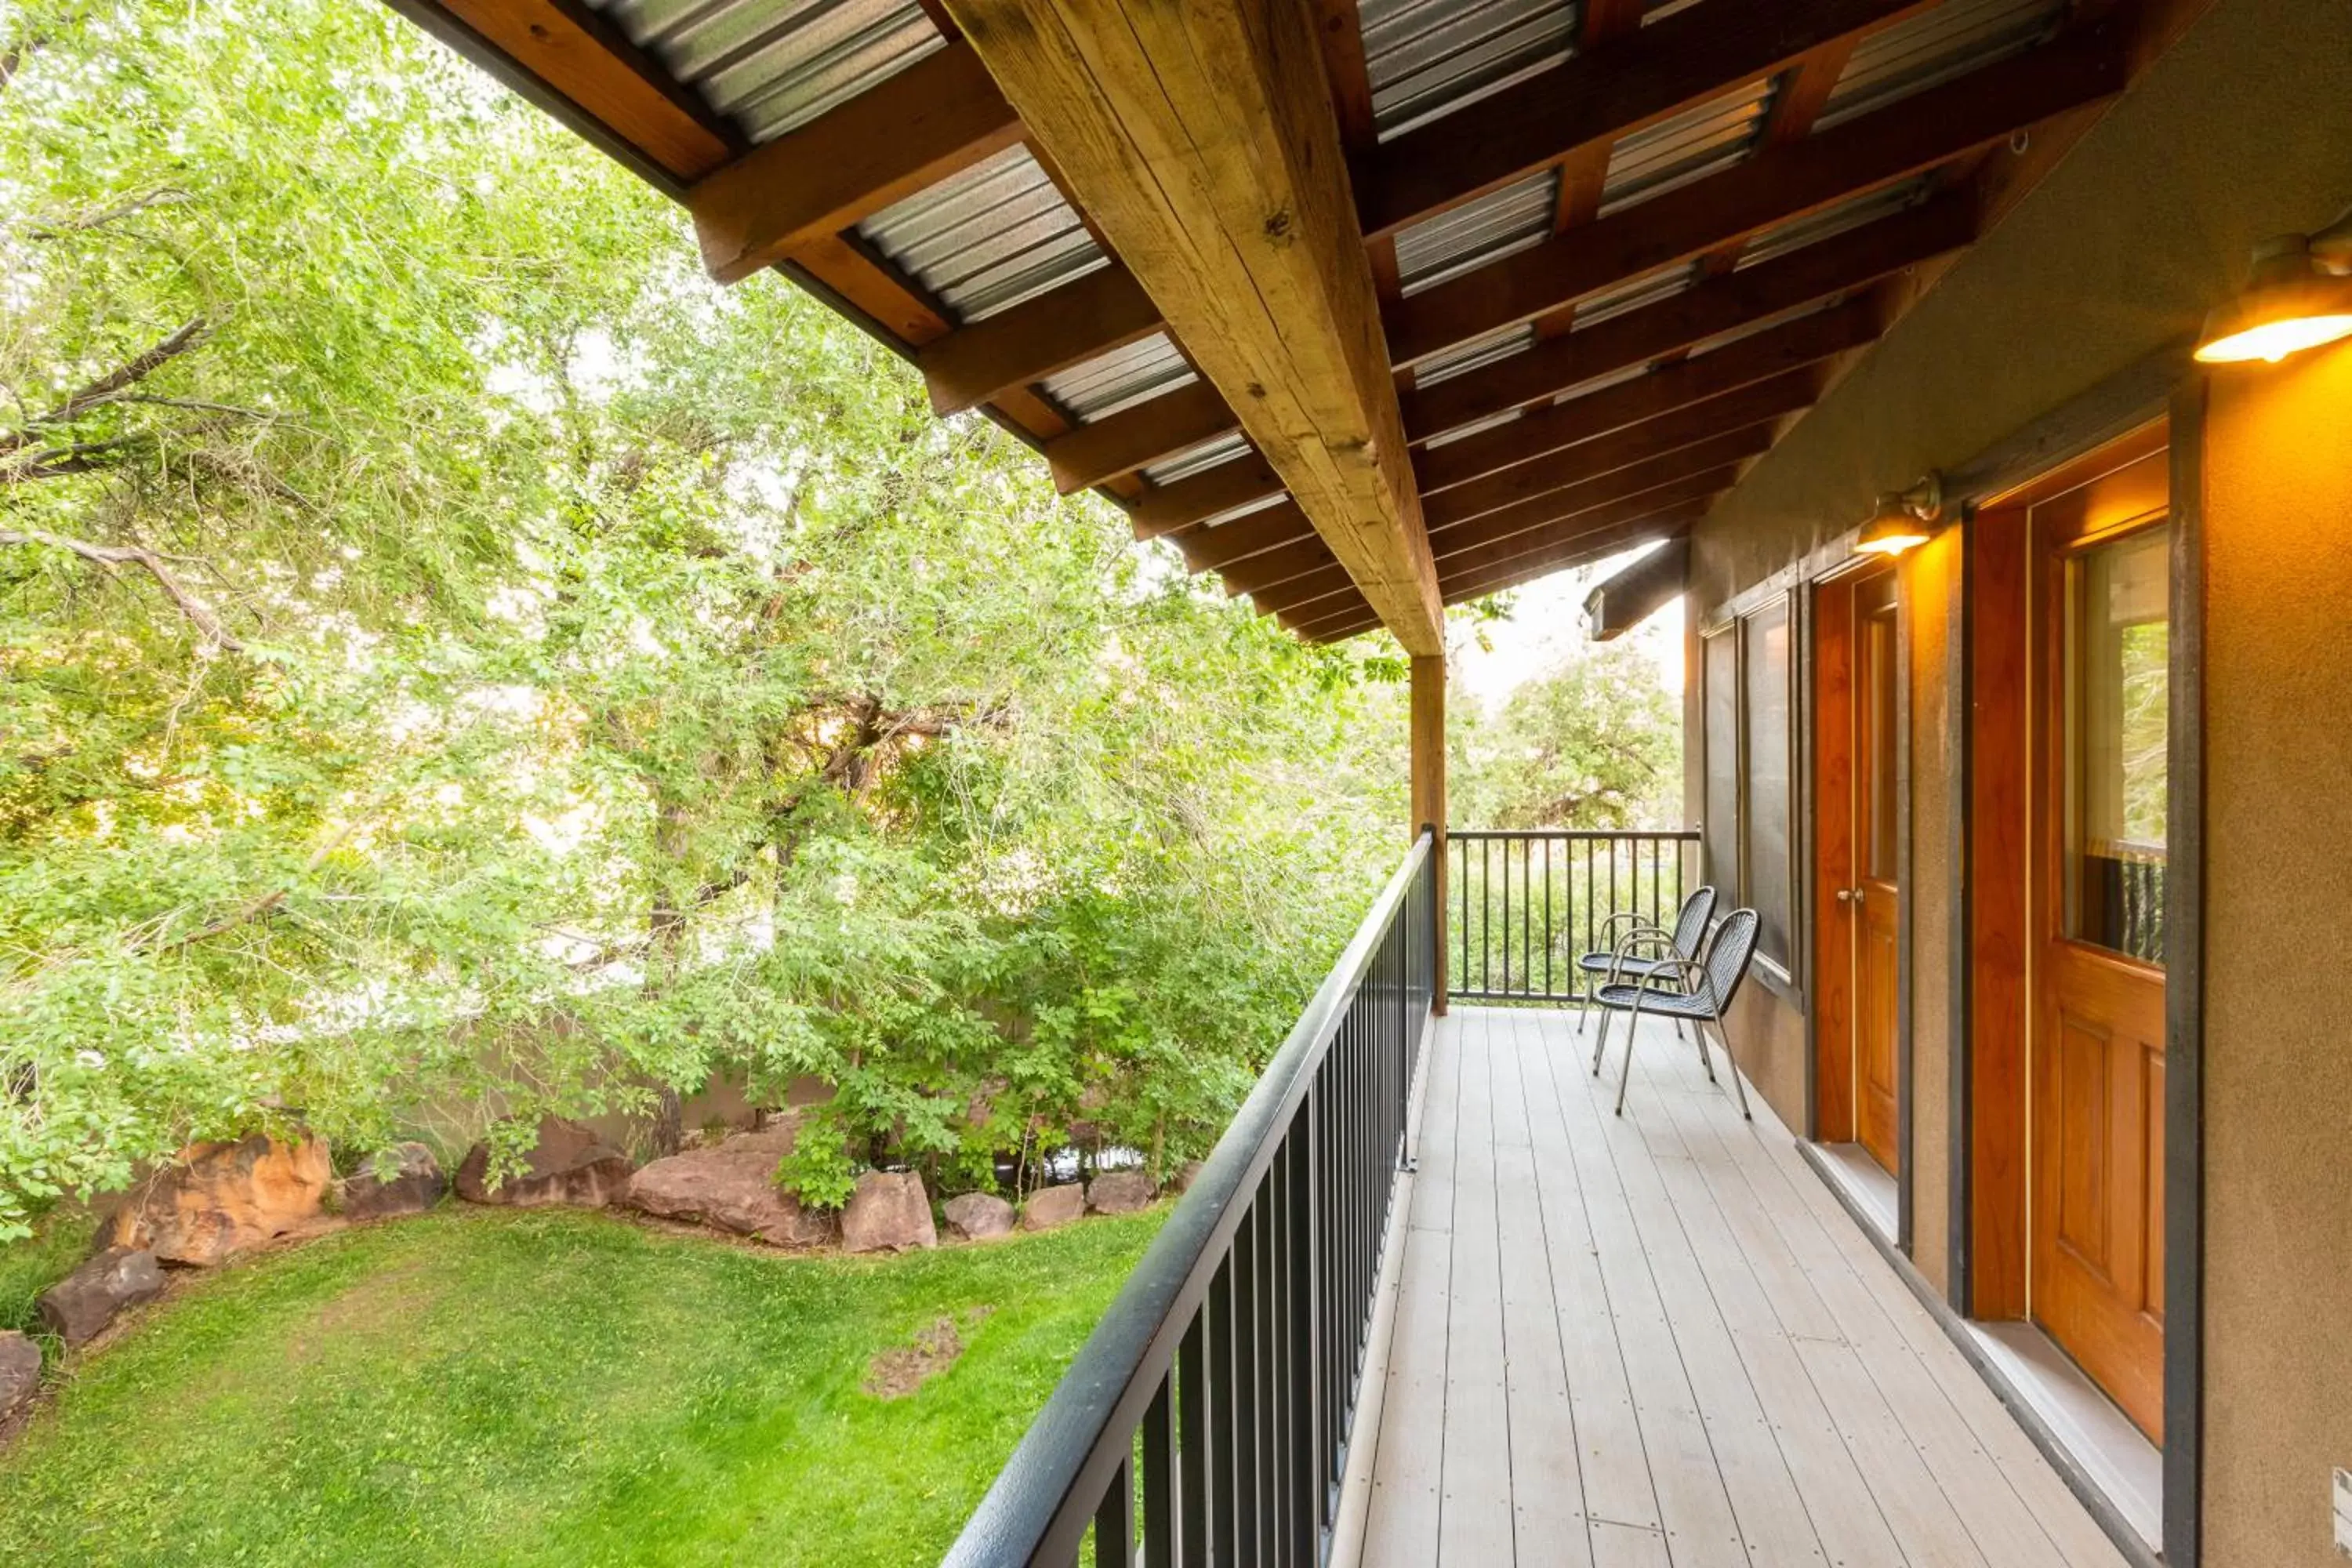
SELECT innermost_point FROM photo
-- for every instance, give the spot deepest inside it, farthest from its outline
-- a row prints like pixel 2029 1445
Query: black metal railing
pixel 1207 1418
pixel 1525 902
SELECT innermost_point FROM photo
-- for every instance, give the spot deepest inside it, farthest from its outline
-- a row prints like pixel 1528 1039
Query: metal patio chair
pixel 1701 993
pixel 1614 962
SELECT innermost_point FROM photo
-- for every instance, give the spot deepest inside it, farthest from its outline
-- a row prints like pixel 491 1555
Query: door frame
pixel 1980 1053
pixel 1839 578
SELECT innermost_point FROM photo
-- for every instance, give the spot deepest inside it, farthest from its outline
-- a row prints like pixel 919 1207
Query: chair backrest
pixel 1690 926
pixel 1727 953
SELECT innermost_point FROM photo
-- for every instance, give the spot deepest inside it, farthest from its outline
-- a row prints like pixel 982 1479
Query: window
pixel 1770 878
pixel 1751 776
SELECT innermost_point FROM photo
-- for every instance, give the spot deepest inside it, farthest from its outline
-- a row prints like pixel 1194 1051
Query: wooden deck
pixel 1659 1340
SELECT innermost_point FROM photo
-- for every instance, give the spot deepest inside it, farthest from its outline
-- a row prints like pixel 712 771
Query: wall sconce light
pixel 1902 518
pixel 2297 295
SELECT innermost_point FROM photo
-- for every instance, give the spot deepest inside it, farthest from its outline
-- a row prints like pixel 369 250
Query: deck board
pixel 1657 1341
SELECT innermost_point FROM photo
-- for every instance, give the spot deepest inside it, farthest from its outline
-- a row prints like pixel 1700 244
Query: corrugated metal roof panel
pixel 1492 227
pixel 1634 294
pixel 1476 427
pixel 1678 149
pixel 1428 58
pixel 985 240
pixel 1474 355
pixel 772 65
pixel 1120 379
pixel 1934 47
pixel 1235 513
pixel 1814 228
pixel 1200 459
pixel 1603 383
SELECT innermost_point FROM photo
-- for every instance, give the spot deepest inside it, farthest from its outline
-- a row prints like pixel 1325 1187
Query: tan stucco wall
pixel 2278 1056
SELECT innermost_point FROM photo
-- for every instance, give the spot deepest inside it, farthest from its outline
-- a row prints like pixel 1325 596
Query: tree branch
pixel 110 387
pixel 192 604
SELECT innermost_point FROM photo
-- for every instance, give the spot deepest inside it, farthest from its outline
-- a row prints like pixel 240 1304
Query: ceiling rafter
pixel 1151 432
pixel 1638 478
pixel 938 117
pixel 1083 318
pixel 1850 261
pixel 1788 393
pixel 1166 508
pixel 1779 185
pixel 1775 351
pixel 1598 97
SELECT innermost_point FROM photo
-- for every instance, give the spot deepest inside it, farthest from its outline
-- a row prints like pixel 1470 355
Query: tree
pixel 455 662
pixel 1593 743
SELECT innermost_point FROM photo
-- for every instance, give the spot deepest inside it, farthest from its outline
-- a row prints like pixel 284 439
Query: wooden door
pixel 1857 791
pixel 2099 836
pixel 1876 962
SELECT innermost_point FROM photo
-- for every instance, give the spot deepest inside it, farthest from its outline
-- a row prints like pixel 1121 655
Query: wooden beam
pixel 1164 509
pixel 1774 352
pixel 578 53
pixel 1092 315
pixel 1203 140
pixel 1595 99
pixel 1688 426
pixel 1661 480
pixel 1349 618
pixel 1214 549
pixel 1716 306
pixel 1173 421
pixel 940 115
pixel 1776 186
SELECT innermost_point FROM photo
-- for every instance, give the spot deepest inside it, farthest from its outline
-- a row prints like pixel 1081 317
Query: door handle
pixel 1845 895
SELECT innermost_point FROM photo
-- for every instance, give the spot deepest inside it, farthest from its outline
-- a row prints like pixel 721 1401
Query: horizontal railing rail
pixel 1207 1418
pixel 1525 901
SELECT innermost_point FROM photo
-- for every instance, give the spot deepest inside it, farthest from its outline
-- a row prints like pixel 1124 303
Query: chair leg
pixel 1731 1066
pixel 1699 1035
pixel 1632 1033
pixel 1601 1042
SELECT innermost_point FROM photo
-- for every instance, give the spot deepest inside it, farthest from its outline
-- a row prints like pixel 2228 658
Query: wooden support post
pixel 1429 783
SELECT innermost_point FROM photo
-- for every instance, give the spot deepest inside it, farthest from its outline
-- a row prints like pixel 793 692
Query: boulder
pixel 221 1198
pixel 1050 1206
pixel 406 1180
pixel 569 1165
pixel 889 1212
pixel 20 1374
pixel 733 1187
pixel 978 1217
pixel 86 1299
pixel 1121 1192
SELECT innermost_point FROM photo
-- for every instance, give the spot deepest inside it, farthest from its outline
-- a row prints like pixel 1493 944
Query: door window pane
pixel 2117 692
pixel 1768 886
pixel 1879 675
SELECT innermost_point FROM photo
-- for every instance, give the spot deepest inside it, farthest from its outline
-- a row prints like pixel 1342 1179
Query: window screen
pixel 1768 880
pixel 1721 695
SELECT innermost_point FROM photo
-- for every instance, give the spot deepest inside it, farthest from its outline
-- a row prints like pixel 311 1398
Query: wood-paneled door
pixel 2098 837
pixel 1858 674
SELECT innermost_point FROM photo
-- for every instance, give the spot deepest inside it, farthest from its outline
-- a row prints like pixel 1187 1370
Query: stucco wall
pixel 1931 589
pixel 2278 1056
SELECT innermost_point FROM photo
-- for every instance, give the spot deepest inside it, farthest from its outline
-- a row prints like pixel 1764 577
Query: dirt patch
pixel 896 1374
pixel 370 1306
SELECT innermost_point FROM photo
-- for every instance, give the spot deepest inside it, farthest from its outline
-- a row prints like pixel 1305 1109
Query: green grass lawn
pixel 482 1386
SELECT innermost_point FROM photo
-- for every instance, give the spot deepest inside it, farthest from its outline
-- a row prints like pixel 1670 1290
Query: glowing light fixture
pixel 2298 296
pixel 1901 519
